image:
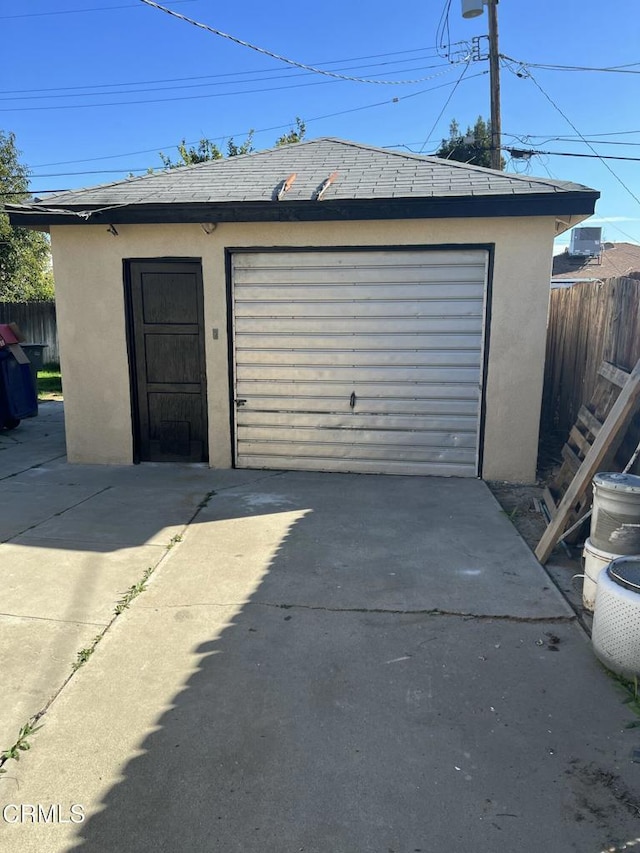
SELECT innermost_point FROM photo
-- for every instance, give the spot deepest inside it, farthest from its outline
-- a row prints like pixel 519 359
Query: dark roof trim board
pixel 498 206
pixel 335 180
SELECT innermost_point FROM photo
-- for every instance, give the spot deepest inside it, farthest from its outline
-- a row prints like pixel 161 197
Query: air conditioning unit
pixel 586 242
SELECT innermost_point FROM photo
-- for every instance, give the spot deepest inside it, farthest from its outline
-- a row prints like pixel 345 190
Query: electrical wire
pixel 443 35
pixel 278 56
pixel 524 153
pixel 588 144
pixel 188 97
pixel 527 138
pixel 568 136
pixel 234 73
pixel 624 233
pixel 76 11
pixel 256 132
pixel 262 79
pixel 446 103
pixel 614 69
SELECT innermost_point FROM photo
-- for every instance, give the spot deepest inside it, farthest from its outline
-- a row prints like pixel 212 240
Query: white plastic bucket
pixel 595 560
pixel 615 521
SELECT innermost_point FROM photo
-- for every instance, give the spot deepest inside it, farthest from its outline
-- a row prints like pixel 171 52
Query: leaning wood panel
pixel 613 374
pixel 612 432
pixel 589 323
pixel 588 421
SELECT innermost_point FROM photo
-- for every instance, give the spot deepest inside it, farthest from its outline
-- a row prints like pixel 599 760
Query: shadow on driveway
pixel 343 664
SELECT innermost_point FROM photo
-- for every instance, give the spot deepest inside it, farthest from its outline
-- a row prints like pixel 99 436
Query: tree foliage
pixel 207 150
pixel 473 146
pixel 296 134
pixel 25 259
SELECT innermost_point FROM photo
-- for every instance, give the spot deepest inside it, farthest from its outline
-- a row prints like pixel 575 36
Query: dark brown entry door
pixel 167 352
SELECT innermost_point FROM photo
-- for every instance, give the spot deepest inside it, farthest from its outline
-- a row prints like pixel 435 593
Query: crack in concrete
pixel 247 483
pixel 51 619
pixel 432 611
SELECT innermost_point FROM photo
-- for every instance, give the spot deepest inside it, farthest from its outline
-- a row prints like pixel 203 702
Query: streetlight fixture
pixel 472 8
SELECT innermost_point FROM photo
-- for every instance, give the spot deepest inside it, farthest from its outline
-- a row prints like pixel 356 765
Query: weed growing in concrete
pixel 632 699
pixel 21 745
pixel 133 591
pixel 30 728
pixel 84 654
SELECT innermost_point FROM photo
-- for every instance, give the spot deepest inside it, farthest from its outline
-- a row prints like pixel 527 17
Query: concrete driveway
pixel 318 663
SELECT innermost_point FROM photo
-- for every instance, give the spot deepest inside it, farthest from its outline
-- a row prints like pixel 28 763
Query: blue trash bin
pixel 18 397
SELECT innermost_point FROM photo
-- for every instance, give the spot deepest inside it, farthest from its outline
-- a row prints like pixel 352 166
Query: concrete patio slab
pixel 146 475
pixel 323 663
pixel 24 508
pixel 35 441
pixel 41 580
pixel 353 541
pixel 120 517
pixel 37 656
pixel 258 729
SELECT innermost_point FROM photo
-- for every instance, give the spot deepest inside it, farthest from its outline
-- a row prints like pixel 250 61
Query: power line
pixel 588 144
pixel 189 97
pixel 386 102
pixel 613 225
pixel 446 104
pixel 262 79
pixel 526 138
pixel 234 73
pixel 613 69
pixel 443 31
pixel 278 56
pixel 30 192
pixel 76 11
pixel 523 153
pixel 260 130
pixel 576 136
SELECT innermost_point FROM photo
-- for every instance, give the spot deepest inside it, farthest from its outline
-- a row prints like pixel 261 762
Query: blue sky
pixel 100 86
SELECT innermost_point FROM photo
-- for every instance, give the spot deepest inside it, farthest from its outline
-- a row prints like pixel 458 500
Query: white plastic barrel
pixel 615 522
pixel 616 620
pixel 595 561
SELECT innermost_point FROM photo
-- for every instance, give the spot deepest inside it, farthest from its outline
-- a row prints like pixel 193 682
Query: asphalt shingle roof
pixel 363 173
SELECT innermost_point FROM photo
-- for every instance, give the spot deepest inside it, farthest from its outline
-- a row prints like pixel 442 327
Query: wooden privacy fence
pixel 589 323
pixel 37 322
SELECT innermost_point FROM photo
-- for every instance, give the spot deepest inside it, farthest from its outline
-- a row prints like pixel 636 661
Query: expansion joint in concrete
pixel 57 514
pixel 31 467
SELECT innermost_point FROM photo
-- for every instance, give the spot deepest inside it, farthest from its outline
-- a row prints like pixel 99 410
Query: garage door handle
pixel 352 401
pixel 240 402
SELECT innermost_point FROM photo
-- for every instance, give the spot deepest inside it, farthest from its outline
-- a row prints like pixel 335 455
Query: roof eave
pixel 449 207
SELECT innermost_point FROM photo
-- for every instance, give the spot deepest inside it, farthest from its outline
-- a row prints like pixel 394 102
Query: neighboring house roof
pixel 370 183
pixel 616 260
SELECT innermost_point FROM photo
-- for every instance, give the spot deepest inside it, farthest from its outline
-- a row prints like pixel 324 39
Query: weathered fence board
pixel 37 322
pixel 589 323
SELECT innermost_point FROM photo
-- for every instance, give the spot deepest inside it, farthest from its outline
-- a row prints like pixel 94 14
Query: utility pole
pixel 471 9
pixel 494 77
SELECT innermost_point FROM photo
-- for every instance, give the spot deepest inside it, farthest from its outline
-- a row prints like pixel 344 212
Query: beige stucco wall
pixel 88 272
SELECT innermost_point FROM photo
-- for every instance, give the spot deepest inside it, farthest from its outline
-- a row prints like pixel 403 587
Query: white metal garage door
pixel 366 361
